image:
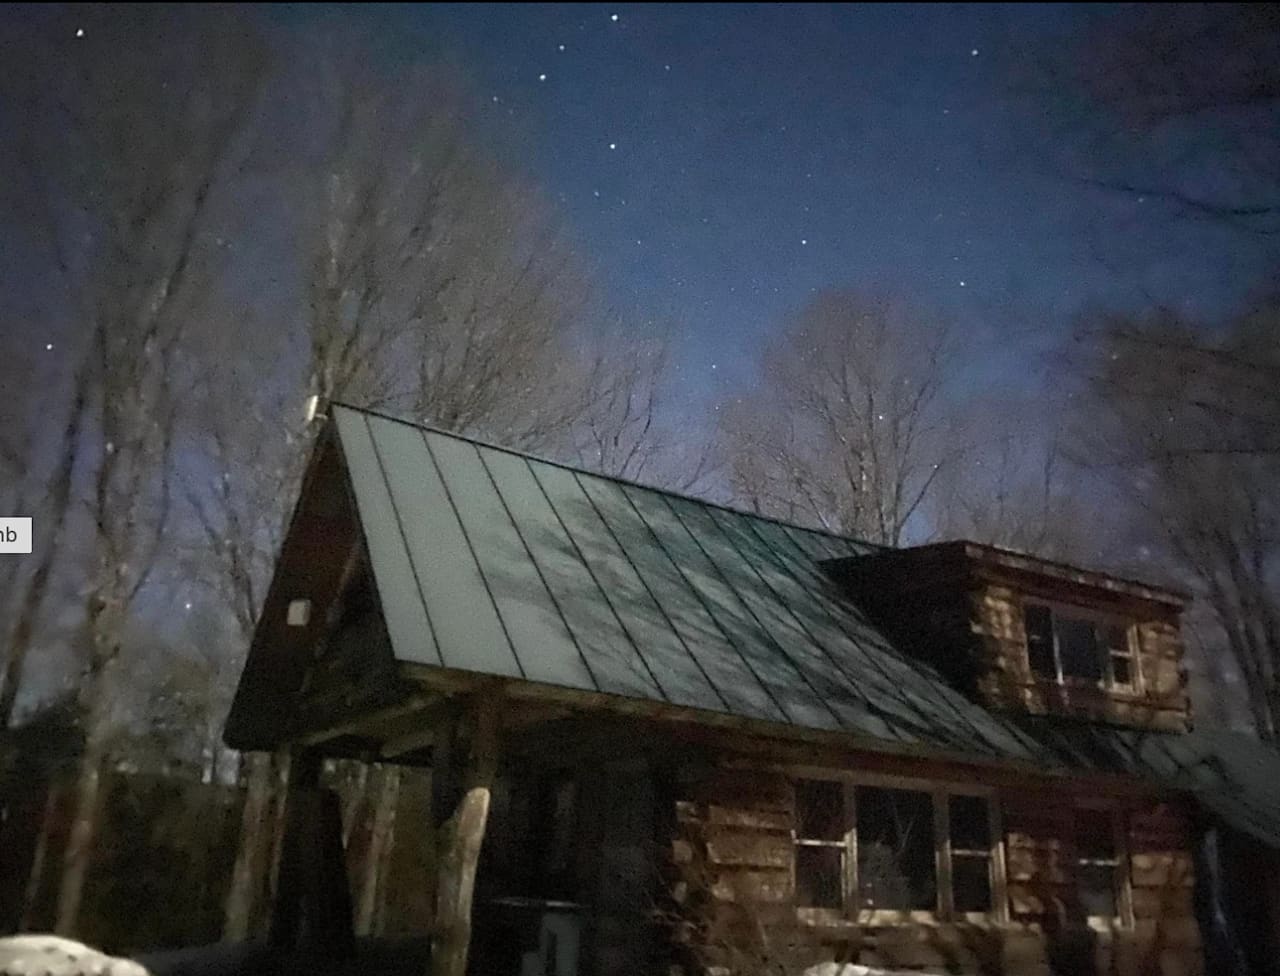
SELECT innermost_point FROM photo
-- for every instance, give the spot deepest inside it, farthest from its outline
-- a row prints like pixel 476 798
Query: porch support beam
pixel 460 837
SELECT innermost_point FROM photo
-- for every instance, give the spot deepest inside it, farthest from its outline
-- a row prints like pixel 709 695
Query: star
pixel 614 18
pixel 48 347
pixel 666 67
pixel 561 47
pixel 495 99
pixel 187 605
pixel 962 284
pixel 80 32
pixel 804 240
pixel 613 145
pixel 542 77
pixel 973 53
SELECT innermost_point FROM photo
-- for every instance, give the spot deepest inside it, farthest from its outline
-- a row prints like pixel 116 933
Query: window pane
pixel 1095 835
pixel 1077 646
pixel 971 883
pixel 1097 889
pixel 895 849
pixel 1039 625
pixel 1121 671
pixel 1116 637
pixel 970 829
pixel 820 810
pixel 818 877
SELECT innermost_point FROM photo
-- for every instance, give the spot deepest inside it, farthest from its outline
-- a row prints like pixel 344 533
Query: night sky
pixel 719 164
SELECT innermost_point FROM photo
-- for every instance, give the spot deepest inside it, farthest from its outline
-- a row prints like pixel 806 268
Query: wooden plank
pixel 748 848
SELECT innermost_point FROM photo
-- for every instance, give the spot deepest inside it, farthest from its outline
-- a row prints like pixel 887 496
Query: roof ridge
pixel 667 492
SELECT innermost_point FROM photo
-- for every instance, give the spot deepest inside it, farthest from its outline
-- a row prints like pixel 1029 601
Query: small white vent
pixel 299 613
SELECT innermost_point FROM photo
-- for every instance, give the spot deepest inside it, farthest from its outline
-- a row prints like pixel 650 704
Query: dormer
pixel 1022 634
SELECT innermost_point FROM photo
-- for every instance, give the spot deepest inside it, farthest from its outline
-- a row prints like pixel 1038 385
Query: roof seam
pixel 833 658
pixel 675 631
pixel 873 659
pixel 590 572
pixel 466 537
pixel 802 673
pixel 555 602
pixel 404 541
pixel 710 614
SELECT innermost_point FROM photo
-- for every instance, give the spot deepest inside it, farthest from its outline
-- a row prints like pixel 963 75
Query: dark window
pixel 971 883
pixel 820 810
pixel 895 850
pixel 1039 624
pixel 1064 645
pixel 820 877
pixel 1098 865
pixel 1078 648
pixel 970 818
pixel 821 843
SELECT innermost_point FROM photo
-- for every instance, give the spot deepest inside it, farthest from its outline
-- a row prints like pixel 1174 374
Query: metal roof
pixel 502 564
pixel 494 562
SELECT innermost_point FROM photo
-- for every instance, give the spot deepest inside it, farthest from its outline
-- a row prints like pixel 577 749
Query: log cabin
pixel 670 737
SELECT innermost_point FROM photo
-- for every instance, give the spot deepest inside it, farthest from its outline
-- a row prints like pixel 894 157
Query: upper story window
pixel 1068 643
pixel 866 850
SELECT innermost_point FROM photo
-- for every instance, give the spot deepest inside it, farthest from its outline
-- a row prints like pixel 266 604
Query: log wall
pixel 732 887
pixel 1159 702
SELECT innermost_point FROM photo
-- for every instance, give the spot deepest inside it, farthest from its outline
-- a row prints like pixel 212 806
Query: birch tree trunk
pixel 248 876
pixel 377 857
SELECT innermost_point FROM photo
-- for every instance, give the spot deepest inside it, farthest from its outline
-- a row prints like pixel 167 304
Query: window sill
pixel 832 919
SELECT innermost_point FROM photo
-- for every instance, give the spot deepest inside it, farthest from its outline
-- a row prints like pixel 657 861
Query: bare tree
pixel 132 152
pixel 1018 487
pixel 436 285
pixel 1173 103
pixel 848 427
pixel 1190 428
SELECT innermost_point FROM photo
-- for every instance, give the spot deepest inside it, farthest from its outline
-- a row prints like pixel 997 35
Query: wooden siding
pixel 731 874
pixel 1158 701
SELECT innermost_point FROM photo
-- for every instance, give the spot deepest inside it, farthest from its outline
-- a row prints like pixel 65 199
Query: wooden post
pixel 460 840
pixel 304 779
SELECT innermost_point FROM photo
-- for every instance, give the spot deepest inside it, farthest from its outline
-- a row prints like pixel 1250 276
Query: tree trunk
pixel 378 852
pixel 286 915
pixel 31 895
pixel 257 830
pixel 86 799
pixel 460 842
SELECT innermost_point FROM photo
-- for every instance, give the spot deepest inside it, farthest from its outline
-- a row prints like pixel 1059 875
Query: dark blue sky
pixel 721 163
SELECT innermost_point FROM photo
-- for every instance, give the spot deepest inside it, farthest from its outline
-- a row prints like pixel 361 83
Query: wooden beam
pixel 365 724
pixel 462 836
pixel 429 721
pixel 286 915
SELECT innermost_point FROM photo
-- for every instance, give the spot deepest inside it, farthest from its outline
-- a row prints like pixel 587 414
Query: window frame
pixel 1120 864
pixel 851 912
pixel 1101 621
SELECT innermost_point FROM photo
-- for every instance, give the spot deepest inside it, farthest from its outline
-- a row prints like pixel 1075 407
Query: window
pixel 971 847
pixel 895 850
pixel 1072 644
pixel 1099 865
pixel 822 843
pixel 863 848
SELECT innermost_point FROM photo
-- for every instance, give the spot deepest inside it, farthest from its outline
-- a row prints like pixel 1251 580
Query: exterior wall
pixel 731 865
pixel 959 607
pixel 1160 700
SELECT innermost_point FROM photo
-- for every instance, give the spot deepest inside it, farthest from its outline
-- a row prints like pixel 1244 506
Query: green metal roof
pixel 503 564
pixel 498 563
